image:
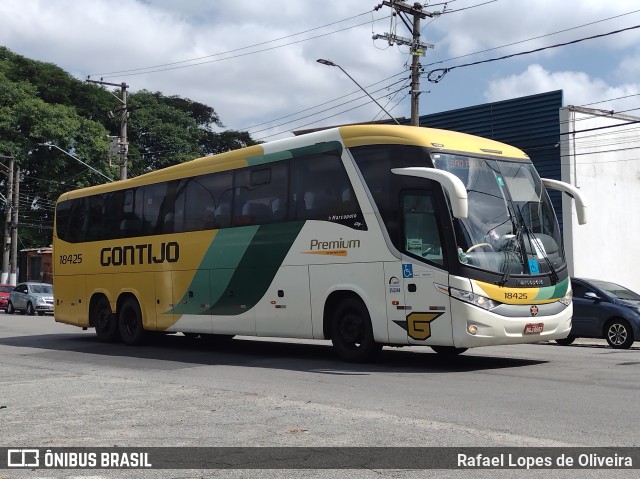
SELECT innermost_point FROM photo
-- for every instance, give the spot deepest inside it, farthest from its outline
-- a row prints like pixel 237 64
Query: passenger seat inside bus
pixel 257 213
pixel 222 215
pixel 278 209
pixel 316 203
pixel 130 225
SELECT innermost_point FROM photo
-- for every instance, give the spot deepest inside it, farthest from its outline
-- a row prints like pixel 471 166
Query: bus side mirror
pixel 573 192
pixel 450 182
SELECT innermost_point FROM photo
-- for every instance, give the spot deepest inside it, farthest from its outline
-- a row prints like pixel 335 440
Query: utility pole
pixel 124 116
pixel 6 252
pixel 14 229
pixel 417 48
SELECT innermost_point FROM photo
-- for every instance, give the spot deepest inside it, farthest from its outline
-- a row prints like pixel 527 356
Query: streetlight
pixel 331 64
pixel 50 145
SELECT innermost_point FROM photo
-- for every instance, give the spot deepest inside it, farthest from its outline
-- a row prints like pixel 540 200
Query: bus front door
pixel 427 309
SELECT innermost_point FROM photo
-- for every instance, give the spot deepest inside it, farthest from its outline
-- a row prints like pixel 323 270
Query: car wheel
pixel 10 308
pixel 351 332
pixel 566 341
pixel 104 321
pixel 448 350
pixel 130 322
pixel 30 311
pixel 618 334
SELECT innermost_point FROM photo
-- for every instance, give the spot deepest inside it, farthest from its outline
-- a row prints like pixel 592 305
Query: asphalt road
pixel 60 387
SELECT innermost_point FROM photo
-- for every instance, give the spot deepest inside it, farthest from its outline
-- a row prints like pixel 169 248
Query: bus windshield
pixel 511 226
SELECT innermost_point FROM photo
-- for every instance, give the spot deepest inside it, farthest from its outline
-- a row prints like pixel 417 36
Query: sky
pixel 255 63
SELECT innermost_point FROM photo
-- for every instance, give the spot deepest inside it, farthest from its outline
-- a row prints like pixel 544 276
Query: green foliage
pixel 41 103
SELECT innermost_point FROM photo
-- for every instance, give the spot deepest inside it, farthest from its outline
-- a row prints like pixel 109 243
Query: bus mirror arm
pixel 572 192
pixel 450 182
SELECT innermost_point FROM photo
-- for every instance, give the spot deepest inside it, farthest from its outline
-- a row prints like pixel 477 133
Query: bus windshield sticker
pixel 533 266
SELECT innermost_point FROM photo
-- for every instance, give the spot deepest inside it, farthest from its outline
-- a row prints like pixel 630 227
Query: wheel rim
pixel 352 330
pixel 130 321
pixel 617 334
pixel 103 317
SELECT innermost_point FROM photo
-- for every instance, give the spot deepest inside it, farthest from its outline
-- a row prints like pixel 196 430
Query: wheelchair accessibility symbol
pixel 407 271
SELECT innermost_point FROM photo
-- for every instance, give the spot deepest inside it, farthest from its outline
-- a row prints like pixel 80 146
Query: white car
pixel 31 298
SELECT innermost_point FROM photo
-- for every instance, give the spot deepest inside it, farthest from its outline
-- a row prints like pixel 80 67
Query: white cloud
pixel 103 36
pixel 578 87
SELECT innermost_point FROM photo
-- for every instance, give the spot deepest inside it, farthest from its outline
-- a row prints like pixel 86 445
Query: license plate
pixel 533 328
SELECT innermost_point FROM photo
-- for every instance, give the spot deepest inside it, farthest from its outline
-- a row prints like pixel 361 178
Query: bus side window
pixel 321 188
pixel 421 234
pixel 256 191
pixel 63 216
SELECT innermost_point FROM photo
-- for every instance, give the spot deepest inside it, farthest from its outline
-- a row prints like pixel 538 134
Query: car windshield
pixel 616 290
pixel 6 289
pixel 42 288
pixel 511 227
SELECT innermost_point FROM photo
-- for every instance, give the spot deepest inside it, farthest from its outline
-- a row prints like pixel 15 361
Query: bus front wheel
pixel 104 321
pixel 351 332
pixel 130 322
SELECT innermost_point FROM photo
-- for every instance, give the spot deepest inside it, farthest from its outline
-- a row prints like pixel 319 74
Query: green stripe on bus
pixel 553 292
pixel 223 256
pixel 303 151
pixel 258 267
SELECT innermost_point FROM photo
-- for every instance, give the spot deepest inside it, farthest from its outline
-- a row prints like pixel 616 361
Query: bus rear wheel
pixel 351 332
pixel 104 321
pixel 130 322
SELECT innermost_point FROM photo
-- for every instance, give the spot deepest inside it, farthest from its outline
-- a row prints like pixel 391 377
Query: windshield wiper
pixel 553 275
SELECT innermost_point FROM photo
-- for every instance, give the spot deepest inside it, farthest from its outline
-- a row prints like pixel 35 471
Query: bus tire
pixel 130 322
pixel 103 319
pixel 566 341
pixel 351 332
pixel 448 350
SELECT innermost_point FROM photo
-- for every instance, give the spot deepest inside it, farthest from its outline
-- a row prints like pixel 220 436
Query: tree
pixel 41 103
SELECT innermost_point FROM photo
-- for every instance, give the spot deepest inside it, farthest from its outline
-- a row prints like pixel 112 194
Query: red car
pixel 5 289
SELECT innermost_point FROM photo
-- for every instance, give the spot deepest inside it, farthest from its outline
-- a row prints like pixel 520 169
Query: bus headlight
pixel 472 298
pixel 566 299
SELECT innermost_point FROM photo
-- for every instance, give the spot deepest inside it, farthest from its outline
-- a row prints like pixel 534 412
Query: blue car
pixel 602 309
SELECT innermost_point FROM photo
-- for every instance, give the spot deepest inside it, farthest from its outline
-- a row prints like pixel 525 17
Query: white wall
pixel 604 163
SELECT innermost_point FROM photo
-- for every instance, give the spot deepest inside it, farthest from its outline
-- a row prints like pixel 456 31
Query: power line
pixel 325 110
pixel 318 121
pixel 533 38
pixel 235 50
pixel 443 61
pixel 444 71
pixel 466 8
pixel 156 70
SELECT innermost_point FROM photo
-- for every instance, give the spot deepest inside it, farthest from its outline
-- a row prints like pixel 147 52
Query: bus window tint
pixel 199 206
pixel 421 236
pixel 63 217
pixel 321 188
pixel 152 196
pixel 256 192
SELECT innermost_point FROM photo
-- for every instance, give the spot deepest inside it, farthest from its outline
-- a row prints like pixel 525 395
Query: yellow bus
pixel 366 235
